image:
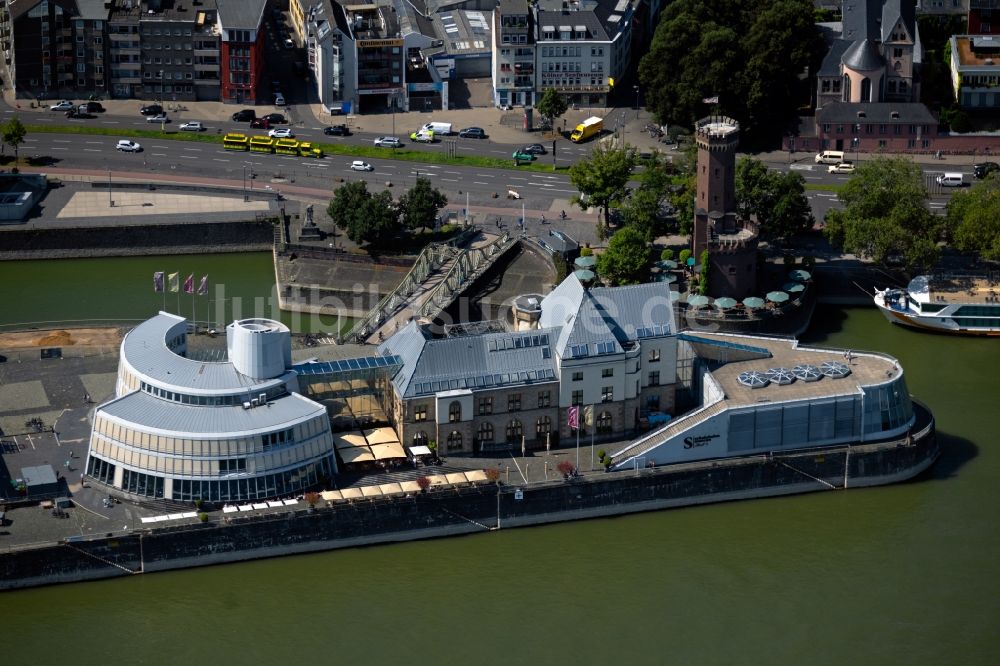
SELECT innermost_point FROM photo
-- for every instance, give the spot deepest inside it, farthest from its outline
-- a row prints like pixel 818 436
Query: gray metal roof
pixel 513 7
pixel 40 475
pixel 145 349
pixel 590 20
pixel 240 14
pixel 861 18
pixel 92 9
pixel 831 63
pixel 880 112
pixel 863 56
pixel 894 11
pixel 152 414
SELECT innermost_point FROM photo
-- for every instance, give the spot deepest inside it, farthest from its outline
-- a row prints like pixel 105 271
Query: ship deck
pixel 949 289
pixel 867 369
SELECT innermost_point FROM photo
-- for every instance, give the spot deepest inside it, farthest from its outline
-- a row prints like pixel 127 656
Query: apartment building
pixel 41 51
pixel 326 34
pixel 179 47
pixel 513 54
pixel 984 17
pixel 975 71
pixel 242 51
pixel 125 49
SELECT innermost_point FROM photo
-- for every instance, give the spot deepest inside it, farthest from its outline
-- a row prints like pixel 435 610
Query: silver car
pixel 388 142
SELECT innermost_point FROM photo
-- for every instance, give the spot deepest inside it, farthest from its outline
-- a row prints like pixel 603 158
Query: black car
pixel 275 118
pixel 93 107
pixel 244 115
pixel 337 130
pixel 473 133
pixel 984 169
pixel 151 110
pixel 260 123
pixel 534 149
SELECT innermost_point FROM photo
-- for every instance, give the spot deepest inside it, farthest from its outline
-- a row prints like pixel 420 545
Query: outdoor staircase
pixel 675 427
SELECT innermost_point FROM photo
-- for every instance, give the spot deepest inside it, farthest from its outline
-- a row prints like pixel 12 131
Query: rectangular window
pixel 607 393
pixel 578 376
pixel 577 397
pixel 514 402
pixel 882 143
pixel 654 378
pixel 485 407
pixel 544 398
pixel 608 372
pixel 420 413
pixel 654 355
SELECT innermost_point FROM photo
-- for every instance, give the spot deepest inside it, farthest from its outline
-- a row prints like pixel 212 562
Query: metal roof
pixel 875 112
pixel 149 413
pixel 145 349
pixel 863 56
pixel 240 14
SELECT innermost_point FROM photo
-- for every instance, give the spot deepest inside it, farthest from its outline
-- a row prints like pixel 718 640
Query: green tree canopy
pixel 885 211
pixel 973 219
pixel 777 200
pixel 420 204
pixel 364 217
pixel 626 261
pixel 552 105
pixel 604 176
pixel 750 54
pixel 644 208
pixel 13 133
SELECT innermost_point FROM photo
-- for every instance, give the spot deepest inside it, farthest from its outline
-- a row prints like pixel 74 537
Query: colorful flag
pixel 189 284
pixel 588 415
pixel 203 286
pixel 158 281
pixel 710 100
pixel 573 417
pixel 174 281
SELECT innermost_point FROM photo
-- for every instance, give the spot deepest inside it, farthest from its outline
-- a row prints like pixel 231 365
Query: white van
pixel 951 180
pixel 830 157
pixel 441 129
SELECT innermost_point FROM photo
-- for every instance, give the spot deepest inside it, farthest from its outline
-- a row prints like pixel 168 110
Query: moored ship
pixel 962 304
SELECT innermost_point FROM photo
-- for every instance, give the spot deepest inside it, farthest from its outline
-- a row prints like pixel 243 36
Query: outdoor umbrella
pixel 585 262
pixel 666 264
pixel 793 287
pixel 777 296
pixel 753 302
pixel 799 275
pixel 669 278
pixel 725 303
pixel 675 296
pixel 584 275
pixel 698 300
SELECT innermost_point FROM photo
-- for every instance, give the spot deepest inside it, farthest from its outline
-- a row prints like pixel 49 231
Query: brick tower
pixel 731 242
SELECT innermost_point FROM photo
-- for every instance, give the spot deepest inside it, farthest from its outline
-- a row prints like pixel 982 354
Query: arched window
pixel 454 411
pixel 420 439
pixel 604 423
pixel 847 89
pixel 543 426
pixel 514 431
pixel 866 90
pixel 454 442
pixel 486 433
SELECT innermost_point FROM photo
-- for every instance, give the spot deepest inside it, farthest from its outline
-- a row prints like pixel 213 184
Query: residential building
pixel 608 351
pixel 180 45
pixel 877 56
pixel 125 49
pixel 583 47
pixel 90 44
pixel 242 51
pixel 513 54
pixel 984 17
pixel 881 127
pixel 331 57
pixel 381 56
pixel 41 57
pixel 975 71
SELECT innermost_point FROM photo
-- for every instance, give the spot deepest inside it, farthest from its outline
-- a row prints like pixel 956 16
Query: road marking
pixel 801 167
pixel 59 149
pixel 453 173
pixel 517 178
pixel 111 122
pixel 59 141
pixel 216 159
pixel 163 147
pixel 188 157
pixel 158 154
pixel 450 180
pixel 94 143
pixel 476 182
pixel 92 150
pixel 197 150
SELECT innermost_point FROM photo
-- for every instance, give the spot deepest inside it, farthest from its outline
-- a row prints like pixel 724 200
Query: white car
pixel 64 105
pixel 192 126
pixel 158 118
pixel 843 167
pixel 288 44
pixel 361 165
pixel 423 136
pixel 388 141
pixel 128 146
pixel 279 99
pixel 281 133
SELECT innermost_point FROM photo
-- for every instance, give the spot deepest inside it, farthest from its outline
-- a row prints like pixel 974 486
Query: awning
pixel 388 451
pixel 419 450
pixel 438 480
pixel 409 486
pixel 380 435
pixel 390 489
pixel 356 454
pixel 351 493
pixel 371 491
pixel 331 495
pixel 476 476
pixel 457 478
pixel 350 440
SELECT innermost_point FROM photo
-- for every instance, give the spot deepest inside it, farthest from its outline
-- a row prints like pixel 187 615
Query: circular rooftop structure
pixel 754 379
pixel 259 348
pixel 807 372
pixel 781 376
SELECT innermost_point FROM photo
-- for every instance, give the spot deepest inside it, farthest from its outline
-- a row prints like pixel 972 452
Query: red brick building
pixel 242 53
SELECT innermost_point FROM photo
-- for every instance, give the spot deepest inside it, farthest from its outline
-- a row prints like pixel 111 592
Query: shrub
pixel 203 517
pixel 424 483
pixel 586 251
pixel 602 454
pixel 311 498
pixel 667 254
pixel 492 474
pixel 199 503
pixel 684 256
pixel 565 468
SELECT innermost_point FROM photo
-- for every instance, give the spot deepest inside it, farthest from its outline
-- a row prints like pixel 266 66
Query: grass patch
pixel 349 150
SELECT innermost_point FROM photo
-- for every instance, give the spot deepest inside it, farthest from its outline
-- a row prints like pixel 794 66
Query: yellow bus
pixel 235 141
pixel 306 149
pixel 286 147
pixel 261 144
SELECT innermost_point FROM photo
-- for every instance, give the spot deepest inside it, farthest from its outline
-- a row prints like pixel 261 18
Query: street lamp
pixel 636 101
pixel 245 196
pixel 857 143
pixel 111 202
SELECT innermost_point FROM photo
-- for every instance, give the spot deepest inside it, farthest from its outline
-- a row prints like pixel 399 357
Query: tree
pixel 552 105
pixel 365 218
pixel 603 178
pixel 13 135
pixel 751 55
pixel 626 261
pixel 777 200
pixel 885 211
pixel 645 207
pixel 346 203
pixel 420 205
pixel 973 219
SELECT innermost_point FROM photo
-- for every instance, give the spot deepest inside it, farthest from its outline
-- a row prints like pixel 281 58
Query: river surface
pixel 903 574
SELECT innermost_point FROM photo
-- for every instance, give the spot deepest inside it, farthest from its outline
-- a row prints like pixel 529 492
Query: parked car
pixel 288 44
pixel 361 165
pixel 275 118
pixel 984 169
pixel 77 114
pixel 843 167
pixel 64 105
pixel 158 118
pixel 244 115
pixel 151 110
pixel 279 99
pixel 472 133
pixel 388 142
pixel 128 146
pixel 523 156
pixel 534 149
pixel 260 123
pixel 337 130
pixel 91 107
pixel 281 133
pixel 192 126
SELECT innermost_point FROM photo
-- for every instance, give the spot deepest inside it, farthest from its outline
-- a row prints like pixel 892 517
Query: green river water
pixel 903 574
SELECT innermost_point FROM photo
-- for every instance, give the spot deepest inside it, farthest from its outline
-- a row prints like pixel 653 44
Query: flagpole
pixel 178 294
pixel 593 429
pixel 578 445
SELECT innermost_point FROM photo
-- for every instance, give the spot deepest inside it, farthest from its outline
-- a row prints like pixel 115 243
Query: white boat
pixel 966 305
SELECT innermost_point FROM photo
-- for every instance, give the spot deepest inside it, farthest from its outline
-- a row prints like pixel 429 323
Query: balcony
pixel 206 53
pixel 206 67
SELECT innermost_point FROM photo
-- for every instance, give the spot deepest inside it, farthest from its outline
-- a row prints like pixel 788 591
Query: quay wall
pixel 450 512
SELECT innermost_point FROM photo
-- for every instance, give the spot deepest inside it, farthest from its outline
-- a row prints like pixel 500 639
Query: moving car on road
pixel 128 146
pixel 843 167
pixel 192 126
pixel 388 142
pixel 77 114
pixel 244 115
pixel 158 118
pixel 64 105
pixel 423 136
pixel 151 110
pixel 91 107
pixel 534 149
pixel 522 156
pixel 337 130
pixel 361 165
pixel 279 99
pixel 472 133
pixel 275 118
pixel 984 169
pixel 281 133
